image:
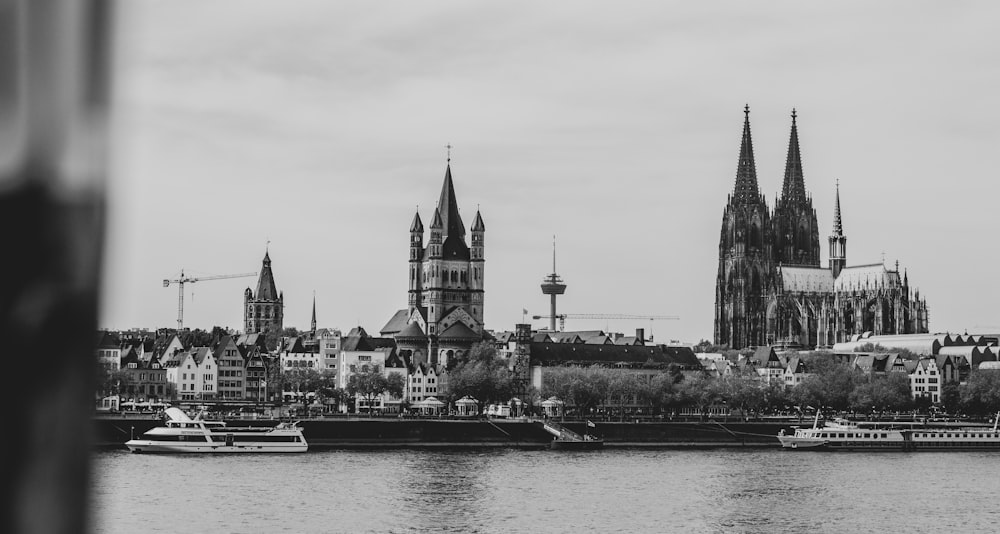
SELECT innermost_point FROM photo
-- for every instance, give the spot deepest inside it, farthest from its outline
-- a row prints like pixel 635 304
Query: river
pixel 510 490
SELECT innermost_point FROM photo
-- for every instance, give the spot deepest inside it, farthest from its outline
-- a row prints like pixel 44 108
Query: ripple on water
pixel 506 490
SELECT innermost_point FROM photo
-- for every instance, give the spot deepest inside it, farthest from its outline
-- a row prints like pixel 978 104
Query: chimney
pixel 640 334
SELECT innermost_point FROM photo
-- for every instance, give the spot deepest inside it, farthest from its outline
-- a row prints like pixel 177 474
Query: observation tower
pixel 552 285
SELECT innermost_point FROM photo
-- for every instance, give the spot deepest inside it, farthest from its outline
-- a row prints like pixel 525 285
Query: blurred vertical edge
pixel 55 74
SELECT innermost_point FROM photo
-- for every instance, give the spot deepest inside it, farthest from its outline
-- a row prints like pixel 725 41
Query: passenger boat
pixel 845 435
pixel 183 434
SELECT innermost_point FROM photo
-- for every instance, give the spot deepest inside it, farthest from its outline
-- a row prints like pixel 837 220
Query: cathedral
pixel 444 316
pixel 771 288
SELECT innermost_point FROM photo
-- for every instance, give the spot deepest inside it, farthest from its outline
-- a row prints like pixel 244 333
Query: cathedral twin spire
pixel 794 188
pixel 746 189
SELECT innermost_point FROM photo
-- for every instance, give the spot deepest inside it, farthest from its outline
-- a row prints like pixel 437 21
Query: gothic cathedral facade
pixel 444 314
pixel 771 288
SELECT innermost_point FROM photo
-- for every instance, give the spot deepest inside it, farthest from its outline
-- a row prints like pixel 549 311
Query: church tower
pixel 444 314
pixel 263 312
pixel 796 233
pixel 745 254
pixel 838 241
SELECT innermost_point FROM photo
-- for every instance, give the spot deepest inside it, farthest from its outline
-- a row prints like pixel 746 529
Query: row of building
pixel 928 360
pixel 241 369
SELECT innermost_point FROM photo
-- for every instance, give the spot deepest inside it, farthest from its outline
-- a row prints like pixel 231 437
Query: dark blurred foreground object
pixel 54 75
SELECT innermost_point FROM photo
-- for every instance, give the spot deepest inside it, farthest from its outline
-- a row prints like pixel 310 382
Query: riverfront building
pixel 771 288
pixel 264 311
pixel 444 314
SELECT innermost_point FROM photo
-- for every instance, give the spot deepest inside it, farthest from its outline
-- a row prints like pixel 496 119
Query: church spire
pixel 794 187
pixel 448 205
pixel 313 323
pixel 838 227
pixel 746 172
pixel 266 289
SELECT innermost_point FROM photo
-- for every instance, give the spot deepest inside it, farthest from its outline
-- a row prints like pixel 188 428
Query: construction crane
pixel 609 316
pixel 190 280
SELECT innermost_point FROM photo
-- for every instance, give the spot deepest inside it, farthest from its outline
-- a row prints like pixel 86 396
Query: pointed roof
pixel 411 330
pixel 448 206
pixel 746 189
pixel 266 290
pixel 838 227
pixel 794 187
pixel 436 222
pixel 313 323
pixel 417 225
pixel 477 225
pixel 459 331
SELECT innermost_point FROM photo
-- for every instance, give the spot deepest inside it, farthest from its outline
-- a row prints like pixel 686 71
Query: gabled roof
pixel 459 331
pixel 541 337
pixel 628 340
pixel 106 340
pixel 396 323
pixel 200 354
pixel 598 340
pixel 504 337
pixel 411 330
pixel 224 344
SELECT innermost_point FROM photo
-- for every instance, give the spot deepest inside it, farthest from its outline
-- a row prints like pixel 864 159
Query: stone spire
pixel 448 205
pixel 266 289
pixel 313 323
pixel 417 225
pixel 838 227
pixel 794 187
pixel 746 189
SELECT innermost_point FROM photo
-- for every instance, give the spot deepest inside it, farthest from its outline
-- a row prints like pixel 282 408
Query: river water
pixel 510 490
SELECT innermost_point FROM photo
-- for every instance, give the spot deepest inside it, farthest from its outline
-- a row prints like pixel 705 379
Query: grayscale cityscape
pixel 501 267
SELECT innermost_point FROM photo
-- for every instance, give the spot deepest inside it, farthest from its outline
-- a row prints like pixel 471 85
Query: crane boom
pixel 563 316
pixel 190 280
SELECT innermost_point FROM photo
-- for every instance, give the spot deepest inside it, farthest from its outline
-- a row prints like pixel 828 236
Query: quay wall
pixel 366 433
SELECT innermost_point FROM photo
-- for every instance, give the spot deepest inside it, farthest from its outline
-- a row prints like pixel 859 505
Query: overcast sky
pixel 321 126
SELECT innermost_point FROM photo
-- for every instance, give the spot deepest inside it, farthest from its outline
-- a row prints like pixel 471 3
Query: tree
pixel 743 392
pixel 483 375
pixel 372 383
pixel 622 387
pixel 882 393
pixel 981 393
pixel 661 392
pixel 951 397
pixel 584 387
pixel 700 392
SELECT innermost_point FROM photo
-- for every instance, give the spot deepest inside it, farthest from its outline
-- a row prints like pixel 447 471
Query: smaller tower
pixel 416 257
pixel 435 274
pixel 476 264
pixel 553 285
pixel 838 241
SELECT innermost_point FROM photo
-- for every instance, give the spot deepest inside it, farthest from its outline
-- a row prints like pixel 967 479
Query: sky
pixel 315 130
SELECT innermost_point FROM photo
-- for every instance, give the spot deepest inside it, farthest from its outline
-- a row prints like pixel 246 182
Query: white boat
pixel 183 434
pixel 845 435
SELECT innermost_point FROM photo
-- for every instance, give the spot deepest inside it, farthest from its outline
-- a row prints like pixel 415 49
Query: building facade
pixel 771 288
pixel 264 311
pixel 444 314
